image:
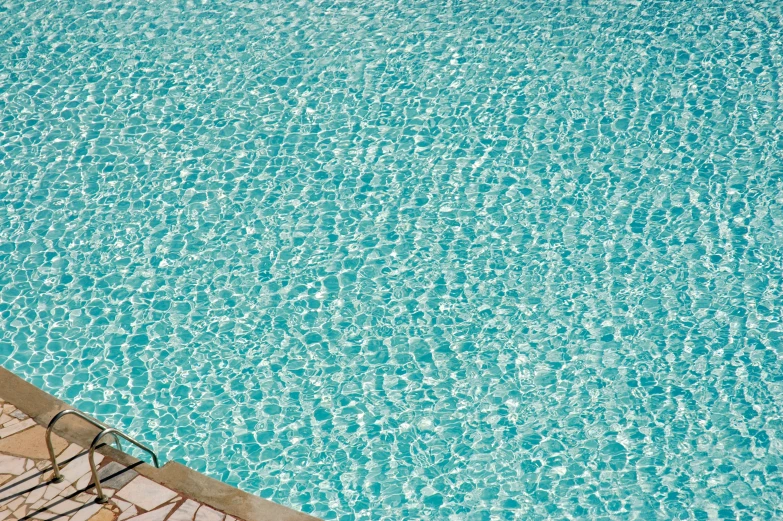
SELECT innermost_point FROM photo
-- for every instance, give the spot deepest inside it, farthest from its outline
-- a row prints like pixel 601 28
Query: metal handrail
pixel 96 481
pixel 57 478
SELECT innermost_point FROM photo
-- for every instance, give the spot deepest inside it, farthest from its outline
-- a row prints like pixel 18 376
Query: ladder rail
pixel 105 431
pixel 57 477
pixel 95 479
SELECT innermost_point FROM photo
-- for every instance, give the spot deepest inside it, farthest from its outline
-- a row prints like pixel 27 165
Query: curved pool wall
pixel 380 260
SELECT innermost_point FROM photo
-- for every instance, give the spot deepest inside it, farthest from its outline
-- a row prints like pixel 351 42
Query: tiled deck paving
pixel 137 491
pixel 26 492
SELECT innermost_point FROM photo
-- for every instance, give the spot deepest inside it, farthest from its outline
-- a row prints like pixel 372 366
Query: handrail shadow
pixel 15 484
pixel 47 507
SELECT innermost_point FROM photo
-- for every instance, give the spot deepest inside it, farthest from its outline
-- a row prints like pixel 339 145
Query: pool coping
pixel 42 406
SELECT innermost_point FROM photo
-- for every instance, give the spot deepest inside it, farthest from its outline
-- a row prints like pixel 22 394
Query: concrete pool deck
pixel 137 491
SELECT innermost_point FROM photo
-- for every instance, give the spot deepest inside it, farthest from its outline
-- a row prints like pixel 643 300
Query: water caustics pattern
pixel 408 260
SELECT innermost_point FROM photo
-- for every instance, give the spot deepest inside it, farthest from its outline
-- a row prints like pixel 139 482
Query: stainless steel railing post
pixel 96 481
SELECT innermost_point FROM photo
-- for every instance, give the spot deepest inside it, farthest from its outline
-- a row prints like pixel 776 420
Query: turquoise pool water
pixel 408 260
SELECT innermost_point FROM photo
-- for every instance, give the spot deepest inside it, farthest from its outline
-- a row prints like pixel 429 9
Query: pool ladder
pixel 105 431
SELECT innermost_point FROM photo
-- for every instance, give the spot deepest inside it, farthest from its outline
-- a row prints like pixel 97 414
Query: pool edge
pixel 41 406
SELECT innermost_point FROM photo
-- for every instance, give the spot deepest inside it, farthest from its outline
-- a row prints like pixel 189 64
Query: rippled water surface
pixel 408 260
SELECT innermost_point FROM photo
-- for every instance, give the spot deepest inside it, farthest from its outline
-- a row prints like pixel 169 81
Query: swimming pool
pixel 416 260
